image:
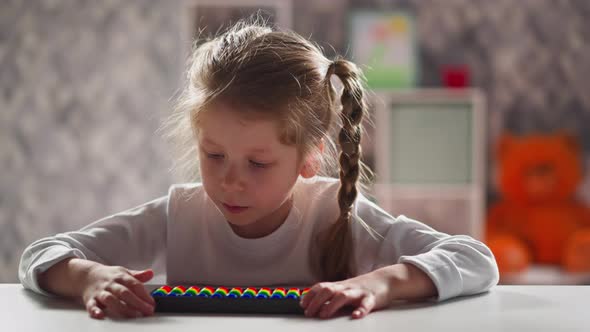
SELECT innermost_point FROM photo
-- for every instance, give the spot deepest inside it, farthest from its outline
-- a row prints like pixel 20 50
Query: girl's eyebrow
pixel 206 140
pixel 260 150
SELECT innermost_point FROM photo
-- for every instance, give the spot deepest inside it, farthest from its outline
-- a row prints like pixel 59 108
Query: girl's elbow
pixel 483 259
pixel 495 273
pixel 490 270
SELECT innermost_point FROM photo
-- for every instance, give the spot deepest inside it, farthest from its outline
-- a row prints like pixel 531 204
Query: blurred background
pixel 454 86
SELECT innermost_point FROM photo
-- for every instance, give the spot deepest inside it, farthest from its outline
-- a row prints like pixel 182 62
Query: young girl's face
pixel 246 171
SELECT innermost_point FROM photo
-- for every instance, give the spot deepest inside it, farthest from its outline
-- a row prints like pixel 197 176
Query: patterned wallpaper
pixel 84 85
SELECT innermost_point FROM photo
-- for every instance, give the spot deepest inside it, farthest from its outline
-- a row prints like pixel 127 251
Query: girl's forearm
pixel 66 278
pixel 407 282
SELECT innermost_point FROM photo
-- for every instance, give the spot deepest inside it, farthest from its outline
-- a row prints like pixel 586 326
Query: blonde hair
pixel 281 75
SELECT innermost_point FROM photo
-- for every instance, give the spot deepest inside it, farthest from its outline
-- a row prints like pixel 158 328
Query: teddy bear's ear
pixel 570 140
pixel 505 142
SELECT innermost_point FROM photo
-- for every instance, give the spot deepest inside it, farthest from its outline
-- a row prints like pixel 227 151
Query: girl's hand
pixel 365 293
pixel 372 291
pixel 118 292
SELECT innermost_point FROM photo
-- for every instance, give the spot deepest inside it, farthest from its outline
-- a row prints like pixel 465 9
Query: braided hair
pixel 336 245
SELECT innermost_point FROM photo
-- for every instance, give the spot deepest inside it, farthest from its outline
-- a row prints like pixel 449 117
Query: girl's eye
pixel 214 156
pixel 258 165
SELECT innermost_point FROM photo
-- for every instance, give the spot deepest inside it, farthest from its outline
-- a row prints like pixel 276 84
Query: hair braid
pixel 337 246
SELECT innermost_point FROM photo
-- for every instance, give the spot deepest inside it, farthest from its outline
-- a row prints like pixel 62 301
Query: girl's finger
pixel 305 299
pixel 142 276
pixel 93 309
pixel 367 304
pixel 348 296
pixel 132 300
pixel 313 291
pixel 114 306
pixel 318 301
pixel 137 288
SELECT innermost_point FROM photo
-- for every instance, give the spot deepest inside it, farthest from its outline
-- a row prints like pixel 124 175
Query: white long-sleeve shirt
pixel 184 237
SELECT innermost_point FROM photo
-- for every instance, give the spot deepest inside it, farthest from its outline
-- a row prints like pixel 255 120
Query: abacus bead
pixel 278 293
pixel 177 291
pixel 192 291
pixel 206 292
pixel 219 292
pixel 234 293
pixel 263 293
pixel 249 293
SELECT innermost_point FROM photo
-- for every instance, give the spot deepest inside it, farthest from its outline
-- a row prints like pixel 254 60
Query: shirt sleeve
pixel 132 238
pixel 457 264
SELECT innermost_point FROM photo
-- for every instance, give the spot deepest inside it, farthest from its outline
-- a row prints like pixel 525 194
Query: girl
pixel 258 110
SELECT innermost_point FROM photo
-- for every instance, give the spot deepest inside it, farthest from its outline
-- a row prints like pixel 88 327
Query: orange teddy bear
pixel 538 220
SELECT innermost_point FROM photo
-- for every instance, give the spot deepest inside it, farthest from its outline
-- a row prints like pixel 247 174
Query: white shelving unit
pixel 430 157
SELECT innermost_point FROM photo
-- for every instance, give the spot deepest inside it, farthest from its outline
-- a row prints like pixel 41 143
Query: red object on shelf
pixel 455 76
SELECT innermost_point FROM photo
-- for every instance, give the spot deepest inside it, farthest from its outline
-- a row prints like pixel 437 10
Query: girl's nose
pixel 231 180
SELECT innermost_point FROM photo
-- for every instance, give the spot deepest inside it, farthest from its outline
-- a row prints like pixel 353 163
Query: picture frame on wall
pixel 430 157
pixel 384 45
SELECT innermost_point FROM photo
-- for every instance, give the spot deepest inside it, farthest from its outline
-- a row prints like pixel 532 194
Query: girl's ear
pixel 312 165
pixel 309 169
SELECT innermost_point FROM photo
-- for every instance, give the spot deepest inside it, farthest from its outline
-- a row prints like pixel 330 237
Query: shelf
pixel 546 275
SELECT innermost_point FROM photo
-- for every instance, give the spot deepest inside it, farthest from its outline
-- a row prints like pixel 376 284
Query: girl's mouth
pixel 234 209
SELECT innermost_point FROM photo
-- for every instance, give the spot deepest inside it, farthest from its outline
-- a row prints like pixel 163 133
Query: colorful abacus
pixel 229 300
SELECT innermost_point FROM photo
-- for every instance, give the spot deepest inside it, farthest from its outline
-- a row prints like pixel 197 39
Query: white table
pixel 504 308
